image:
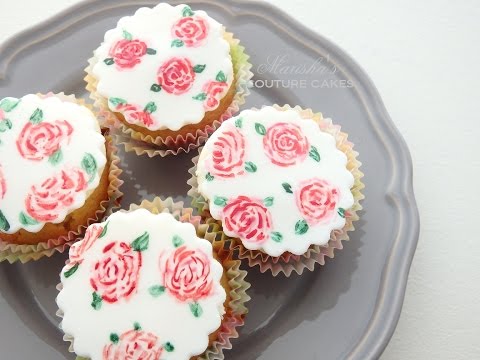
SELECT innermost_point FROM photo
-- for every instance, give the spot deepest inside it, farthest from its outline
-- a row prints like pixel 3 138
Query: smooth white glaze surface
pixel 132 289
pixel 52 156
pixel 294 177
pixel 131 58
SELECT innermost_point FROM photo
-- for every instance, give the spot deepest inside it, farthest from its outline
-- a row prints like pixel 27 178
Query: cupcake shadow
pixel 146 178
pixel 30 291
pixel 281 304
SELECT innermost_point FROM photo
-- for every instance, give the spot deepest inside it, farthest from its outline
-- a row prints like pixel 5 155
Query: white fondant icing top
pixel 141 286
pixel 164 67
pixel 52 155
pixel 276 181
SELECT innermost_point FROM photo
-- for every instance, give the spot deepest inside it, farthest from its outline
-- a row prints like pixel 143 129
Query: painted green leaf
pixel 276 236
pixel 114 338
pixel 96 301
pixel 220 201
pixel 5 125
pixel 26 220
pixel 260 129
pixel 136 326
pixel 168 346
pixel 150 107
pixel 187 11
pixel 314 153
pixel 9 103
pixel 156 290
pixel 221 77
pixel 177 43
pixel 4 224
pixel 250 167
pixel 301 227
pixel 209 177
pixel 71 271
pixel 201 96
pixel 127 35
pixel 155 88
pixel 56 157
pixel 151 51
pixel 104 231
pixel 109 61
pixel 199 68
pixel 238 123
pixel 268 201
pixel 37 116
pixel 115 101
pixel 141 242
pixel 89 164
pixel 287 187
pixel 341 212
pixel 196 309
pixel 177 241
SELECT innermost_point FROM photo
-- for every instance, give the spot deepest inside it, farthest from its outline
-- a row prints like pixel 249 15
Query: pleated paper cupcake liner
pixel 288 263
pixel 235 310
pixel 140 143
pixel 25 252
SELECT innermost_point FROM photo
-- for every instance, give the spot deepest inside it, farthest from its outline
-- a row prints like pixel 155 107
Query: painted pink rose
pixel 135 116
pixel 127 53
pixel 316 200
pixel 47 200
pixel 3 184
pixel 134 345
pixel 186 273
pixel 79 248
pixel 176 75
pixel 285 144
pixel 2 115
pixel 248 219
pixel 214 90
pixel 192 30
pixel 228 154
pixel 115 275
pixel 39 141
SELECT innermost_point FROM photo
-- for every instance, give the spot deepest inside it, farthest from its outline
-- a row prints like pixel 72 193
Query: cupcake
pixel 283 182
pixel 56 174
pixel 144 285
pixel 166 77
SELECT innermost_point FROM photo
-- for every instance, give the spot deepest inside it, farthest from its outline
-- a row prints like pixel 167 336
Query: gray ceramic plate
pixel 346 309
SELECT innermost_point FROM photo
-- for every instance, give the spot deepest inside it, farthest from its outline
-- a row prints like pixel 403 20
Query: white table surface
pixel 424 57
